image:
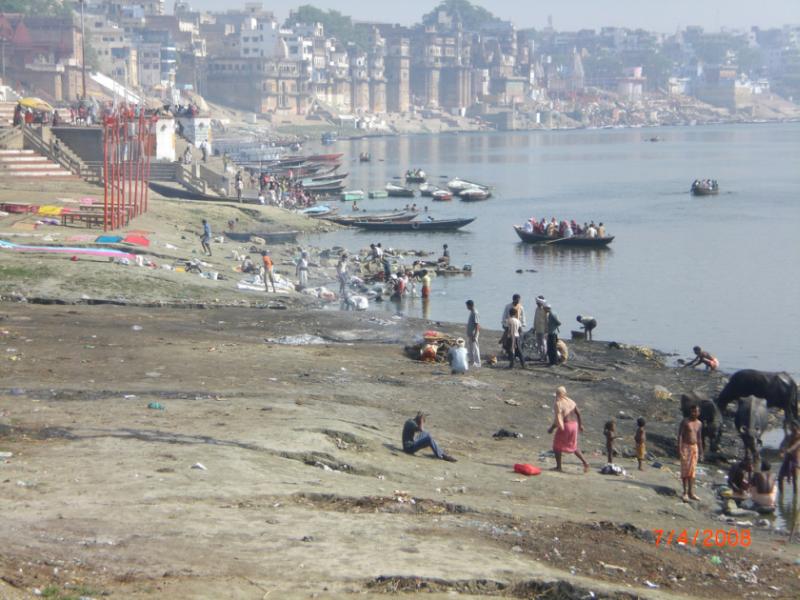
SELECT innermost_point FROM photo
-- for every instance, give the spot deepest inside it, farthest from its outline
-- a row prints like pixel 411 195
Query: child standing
pixel 610 431
pixel 640 438
pixel 690 450
pixel 790 451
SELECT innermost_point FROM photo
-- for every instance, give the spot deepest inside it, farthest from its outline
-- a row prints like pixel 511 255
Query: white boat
pixel 474 194
pixel 428 189
pixel 352 195
pixel 457 185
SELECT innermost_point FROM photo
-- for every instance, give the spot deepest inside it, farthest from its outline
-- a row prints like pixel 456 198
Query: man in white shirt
pixel 458 358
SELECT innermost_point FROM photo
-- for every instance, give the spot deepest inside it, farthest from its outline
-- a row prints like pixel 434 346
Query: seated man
pixel 247 265
pixel 764 489
pixel 415 438
pixel 457 357
pixel 588 323
pixel 739 478
pixel 704 358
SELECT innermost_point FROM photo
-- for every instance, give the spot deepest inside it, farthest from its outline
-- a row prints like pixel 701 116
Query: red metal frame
pixel 128 143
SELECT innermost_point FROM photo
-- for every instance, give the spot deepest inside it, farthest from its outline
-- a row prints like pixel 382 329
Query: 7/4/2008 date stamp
pixel 709 538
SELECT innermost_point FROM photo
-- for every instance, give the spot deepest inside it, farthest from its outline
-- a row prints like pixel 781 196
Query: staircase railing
pixel 10 136
pixel 63 156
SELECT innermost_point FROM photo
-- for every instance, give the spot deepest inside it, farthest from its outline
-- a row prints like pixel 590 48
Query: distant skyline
pixel 653 15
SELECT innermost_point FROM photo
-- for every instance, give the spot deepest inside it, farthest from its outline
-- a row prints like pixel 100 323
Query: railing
pixel 9 136
pixel 63 156
pixel 189 180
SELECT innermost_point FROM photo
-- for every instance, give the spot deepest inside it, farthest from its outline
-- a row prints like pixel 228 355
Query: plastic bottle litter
pixel 199 466
pixel 156 406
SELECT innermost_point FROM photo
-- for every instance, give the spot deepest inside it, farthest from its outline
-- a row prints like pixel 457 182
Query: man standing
pixel 540 327
pixel 415 438
pixel 341 273
pixel 426 284
pixel 269 276
pixel 239 186
pixel 552 334
pixel 205 238
pixel 473 331
pixel 302 271
pixel 515 303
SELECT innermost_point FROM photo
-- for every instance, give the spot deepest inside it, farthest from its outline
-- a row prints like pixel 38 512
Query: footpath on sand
pixel 154 453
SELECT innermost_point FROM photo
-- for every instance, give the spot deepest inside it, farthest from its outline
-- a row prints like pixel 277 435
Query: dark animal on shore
pixel 778 389
pixel 751 421
pixel 710 416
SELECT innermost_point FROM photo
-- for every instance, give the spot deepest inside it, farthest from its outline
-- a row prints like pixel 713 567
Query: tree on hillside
pixel 335 23
pixel 41 8
pixel 471 15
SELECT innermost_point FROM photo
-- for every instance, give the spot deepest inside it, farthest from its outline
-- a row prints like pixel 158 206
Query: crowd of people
pixel 705 184
pixel 559 229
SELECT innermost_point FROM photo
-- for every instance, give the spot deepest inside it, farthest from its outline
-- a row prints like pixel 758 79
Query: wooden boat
pixel 704 190
pixel 320 210
pixel 385 218
pixel 474 194
pixel 352 195
pixel 418 176
pixel 457 185
pixel 379 194
pixel 442 196
pixel 580 241
pixel 429 225
pixel 271 237
pixel 427 189
pixel 399 191
pixel 325 187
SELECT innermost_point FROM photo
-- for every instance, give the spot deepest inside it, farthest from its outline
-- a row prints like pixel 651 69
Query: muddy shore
pixel 274 470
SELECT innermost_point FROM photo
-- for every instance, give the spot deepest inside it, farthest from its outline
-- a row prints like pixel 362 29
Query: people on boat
pixel 591 231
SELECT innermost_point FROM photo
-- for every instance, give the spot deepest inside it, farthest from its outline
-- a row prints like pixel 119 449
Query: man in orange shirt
pixel 268 274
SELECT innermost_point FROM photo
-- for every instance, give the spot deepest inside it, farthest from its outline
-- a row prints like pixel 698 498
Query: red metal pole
pixel 105 176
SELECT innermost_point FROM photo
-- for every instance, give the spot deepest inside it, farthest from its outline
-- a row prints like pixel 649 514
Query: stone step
pixel 38 166
pixel 22 159
pixel 15 152
pixel 42 173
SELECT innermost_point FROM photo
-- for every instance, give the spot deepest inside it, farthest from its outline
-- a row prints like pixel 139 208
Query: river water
pixel 721 272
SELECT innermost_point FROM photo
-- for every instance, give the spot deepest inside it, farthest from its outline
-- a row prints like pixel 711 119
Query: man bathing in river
pixel 415 438
pixel 701 357
pixel 690 450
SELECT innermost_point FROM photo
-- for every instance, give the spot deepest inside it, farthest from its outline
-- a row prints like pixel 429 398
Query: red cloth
pixel 136 240
pixel 566 440
pixel 526 469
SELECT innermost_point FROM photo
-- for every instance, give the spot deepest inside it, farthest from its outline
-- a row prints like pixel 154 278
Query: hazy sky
pixel 655 15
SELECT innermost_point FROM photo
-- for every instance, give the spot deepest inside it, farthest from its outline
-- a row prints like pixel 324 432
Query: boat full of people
pixel 416 176
pixel 705 187
pixel 563 233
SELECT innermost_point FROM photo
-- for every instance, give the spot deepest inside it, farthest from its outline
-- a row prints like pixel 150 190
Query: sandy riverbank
pixel 300 494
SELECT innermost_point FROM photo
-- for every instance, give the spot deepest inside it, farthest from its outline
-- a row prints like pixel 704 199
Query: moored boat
pixel 427 189
pixel 442 196
pixel 270 237
pixel 381 218
pixel 474 194
pixel 352 195
pixel 581 241
pixel 707 187
pixel 427 225
pixel 456 185
pixel 379 194
pixel 399 191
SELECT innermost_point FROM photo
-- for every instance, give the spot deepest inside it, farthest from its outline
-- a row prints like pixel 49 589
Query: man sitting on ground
pixel 457 356
pixel 415 438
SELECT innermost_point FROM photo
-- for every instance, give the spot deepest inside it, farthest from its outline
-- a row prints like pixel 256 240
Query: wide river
pixel 721 272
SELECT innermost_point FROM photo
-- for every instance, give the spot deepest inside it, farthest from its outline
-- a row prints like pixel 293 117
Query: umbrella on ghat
pixel 36 104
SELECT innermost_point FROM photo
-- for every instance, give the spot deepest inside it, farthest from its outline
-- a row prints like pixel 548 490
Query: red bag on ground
pixel 526 469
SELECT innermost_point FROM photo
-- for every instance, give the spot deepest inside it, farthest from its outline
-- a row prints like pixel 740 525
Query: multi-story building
pixel 116 54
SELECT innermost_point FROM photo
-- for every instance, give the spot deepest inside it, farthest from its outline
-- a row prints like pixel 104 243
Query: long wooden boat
pixel 580 241
pixel 429 225
pixel 271 237
pixel 457 185
pixel 378 194
pixel 392 218
pixel 395 190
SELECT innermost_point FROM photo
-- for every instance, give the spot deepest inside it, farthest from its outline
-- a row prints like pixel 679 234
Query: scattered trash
pixel 612 469
pixel 715 560
pixel 130 396
pixel 155 405
pixel 650 584
pixel 199 466
pixel 611 567
pixel 153 374
pixel 296 340
pixel 661 393
pixel 137 327
pixel 6 454
pixel 511 402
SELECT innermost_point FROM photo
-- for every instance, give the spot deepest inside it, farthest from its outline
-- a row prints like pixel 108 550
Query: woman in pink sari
pixel 566 424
